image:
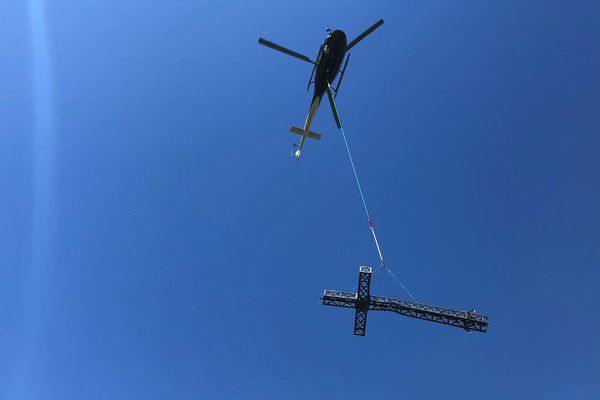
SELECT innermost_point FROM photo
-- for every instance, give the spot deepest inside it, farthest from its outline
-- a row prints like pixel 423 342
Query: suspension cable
pixel 369 219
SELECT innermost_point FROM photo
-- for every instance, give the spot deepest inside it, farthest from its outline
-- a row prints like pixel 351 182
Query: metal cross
pixel 362 301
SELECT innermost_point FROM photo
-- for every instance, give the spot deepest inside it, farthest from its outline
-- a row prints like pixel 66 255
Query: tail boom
pixel 306 131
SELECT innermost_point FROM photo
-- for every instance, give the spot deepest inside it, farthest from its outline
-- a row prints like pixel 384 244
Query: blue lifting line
pixel 370 220
pixel 362 196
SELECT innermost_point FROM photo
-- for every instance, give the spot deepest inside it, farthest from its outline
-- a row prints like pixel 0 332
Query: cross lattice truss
pixel 363 301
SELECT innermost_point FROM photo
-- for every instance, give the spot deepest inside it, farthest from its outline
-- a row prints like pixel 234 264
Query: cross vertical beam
pixel 362 301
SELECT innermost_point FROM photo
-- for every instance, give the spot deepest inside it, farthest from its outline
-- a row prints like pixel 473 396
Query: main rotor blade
pixel 364 34
pixel 282 49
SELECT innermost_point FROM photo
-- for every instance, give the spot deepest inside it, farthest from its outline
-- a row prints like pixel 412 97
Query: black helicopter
pixel 325 70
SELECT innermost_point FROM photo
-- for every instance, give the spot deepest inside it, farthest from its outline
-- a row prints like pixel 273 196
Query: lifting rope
pixel 362 196
pixel 369 219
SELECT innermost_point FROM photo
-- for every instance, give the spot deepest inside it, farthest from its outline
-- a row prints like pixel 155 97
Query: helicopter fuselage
pixel 325 70
pixel 328 62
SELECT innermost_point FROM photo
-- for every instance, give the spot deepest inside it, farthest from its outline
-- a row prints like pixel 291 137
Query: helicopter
pixel 325 70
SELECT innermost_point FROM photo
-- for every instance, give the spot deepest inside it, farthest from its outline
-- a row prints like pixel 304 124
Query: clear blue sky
pixel 158 242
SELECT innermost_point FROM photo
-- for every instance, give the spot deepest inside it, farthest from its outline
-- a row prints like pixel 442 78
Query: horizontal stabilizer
pixel 300 131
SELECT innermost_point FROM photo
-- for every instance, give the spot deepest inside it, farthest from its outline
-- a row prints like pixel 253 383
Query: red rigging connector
pixel 371 224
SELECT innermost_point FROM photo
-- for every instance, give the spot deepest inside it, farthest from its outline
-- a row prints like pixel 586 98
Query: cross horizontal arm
pixel 338 298
pixel 468 320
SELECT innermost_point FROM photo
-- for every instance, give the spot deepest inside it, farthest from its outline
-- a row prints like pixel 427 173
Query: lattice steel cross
pixel 362 301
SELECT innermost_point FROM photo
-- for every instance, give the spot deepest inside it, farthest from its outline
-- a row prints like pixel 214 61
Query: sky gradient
pixel 157 241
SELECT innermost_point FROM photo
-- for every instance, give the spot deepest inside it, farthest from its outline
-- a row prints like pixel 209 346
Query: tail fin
pixel 300 131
